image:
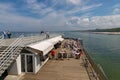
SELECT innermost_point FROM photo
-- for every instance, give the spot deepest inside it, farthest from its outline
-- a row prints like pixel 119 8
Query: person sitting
pixel 77 54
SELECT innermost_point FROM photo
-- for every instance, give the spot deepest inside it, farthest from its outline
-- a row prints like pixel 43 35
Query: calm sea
pixel 104 49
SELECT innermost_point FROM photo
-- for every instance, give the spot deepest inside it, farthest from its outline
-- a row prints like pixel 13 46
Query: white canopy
pixel 55 40
pixel 43 46
pixel 46 45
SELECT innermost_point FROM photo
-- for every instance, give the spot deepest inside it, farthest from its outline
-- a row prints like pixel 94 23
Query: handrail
pixel 1 42
pixel 36 38
pixel 32 39
pixel 1 36
pixel 8 51
pixel 100 73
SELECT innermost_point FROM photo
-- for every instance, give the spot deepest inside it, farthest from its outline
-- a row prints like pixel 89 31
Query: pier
pixel 20 55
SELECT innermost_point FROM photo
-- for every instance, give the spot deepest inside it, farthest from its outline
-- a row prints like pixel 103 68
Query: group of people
pixel 59 55
pixel 6 34
pixel 73 46
pixel 46 33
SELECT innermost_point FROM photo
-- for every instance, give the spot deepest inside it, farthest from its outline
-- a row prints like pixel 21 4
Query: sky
pixel 58 15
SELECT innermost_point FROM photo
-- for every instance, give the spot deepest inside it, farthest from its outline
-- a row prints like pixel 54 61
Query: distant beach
pixel 109 33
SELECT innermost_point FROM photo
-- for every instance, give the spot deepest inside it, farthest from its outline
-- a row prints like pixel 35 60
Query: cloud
pixel 10 20
pixel 83 8
pixel 107 21
pixel 68 3
pixel 95 22
pixel 5 8
pixel 60 6
pixel 31 1
pixel 116 9
pixel 37 8
pixel 91 6
pixel 75 2
pixel 55 15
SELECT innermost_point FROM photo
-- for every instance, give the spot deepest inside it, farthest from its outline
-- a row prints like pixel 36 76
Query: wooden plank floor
pixel 71 69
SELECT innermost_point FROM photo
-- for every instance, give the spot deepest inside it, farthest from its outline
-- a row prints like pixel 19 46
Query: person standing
pixel 80 54
pixel 47 35
pixel 9 34
pixel 42 32
pixel 4 34
pixel 53 53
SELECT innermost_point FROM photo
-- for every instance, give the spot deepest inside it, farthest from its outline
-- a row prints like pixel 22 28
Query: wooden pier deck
pixel 61 69
pixel 71 69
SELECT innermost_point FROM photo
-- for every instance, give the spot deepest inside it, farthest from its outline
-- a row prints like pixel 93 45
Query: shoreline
pixel 109 33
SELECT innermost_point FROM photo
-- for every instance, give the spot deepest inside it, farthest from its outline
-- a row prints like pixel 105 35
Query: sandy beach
pixel 109 33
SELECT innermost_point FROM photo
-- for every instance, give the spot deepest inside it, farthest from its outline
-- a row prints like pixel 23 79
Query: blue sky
pixel 58 15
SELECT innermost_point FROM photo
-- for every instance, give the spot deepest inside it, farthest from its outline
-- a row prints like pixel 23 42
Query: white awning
pixel 43 46
pixel 55 40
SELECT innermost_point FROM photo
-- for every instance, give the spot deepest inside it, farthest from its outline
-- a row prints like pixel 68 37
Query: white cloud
pixel 76 2
pixel 92 6
pixel 16 22
pixel 38 8
pixel 116 5
pixel 86 20
pixel 68 2
pixel 116 9
pixel 5 7
pixel 31 1
pixel 107 21
pixel 83 8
